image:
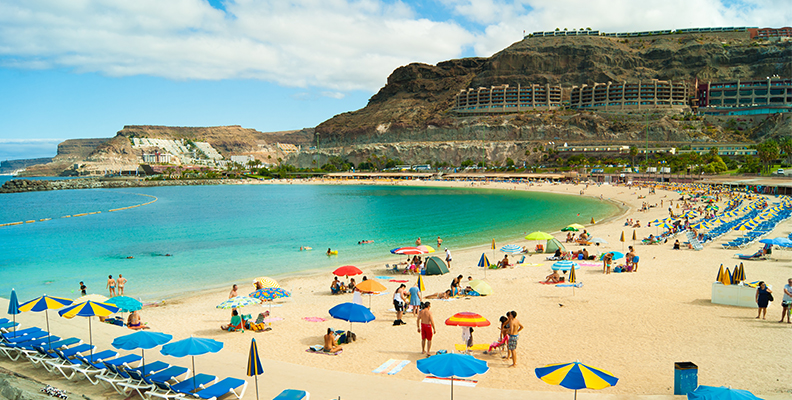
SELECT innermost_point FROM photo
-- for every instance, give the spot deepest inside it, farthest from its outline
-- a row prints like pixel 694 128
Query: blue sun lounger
pixel 225 387
pixel 165 390
pixel 141 382
pixel 293 394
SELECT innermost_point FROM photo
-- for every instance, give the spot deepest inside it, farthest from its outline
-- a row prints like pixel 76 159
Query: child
pixel 82 288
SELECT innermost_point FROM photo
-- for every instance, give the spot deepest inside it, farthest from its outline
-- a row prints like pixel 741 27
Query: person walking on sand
pixel 121 282
pixel 448 257
pixel 111 285
pixel 762 299
pixel 514 329
pixel 786 302
pixel 415 298
pixel 426 327
pixel 398 304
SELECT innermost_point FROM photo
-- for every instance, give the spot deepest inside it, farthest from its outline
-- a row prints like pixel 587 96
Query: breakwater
pixel 26 185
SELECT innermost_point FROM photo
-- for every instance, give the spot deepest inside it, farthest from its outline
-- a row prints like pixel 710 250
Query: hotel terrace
pixel 507 99
pixel 641 95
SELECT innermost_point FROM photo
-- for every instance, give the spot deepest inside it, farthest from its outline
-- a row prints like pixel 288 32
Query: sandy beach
pixel 635 325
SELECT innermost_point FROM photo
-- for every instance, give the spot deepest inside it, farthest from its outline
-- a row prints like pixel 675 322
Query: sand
pixel 635 325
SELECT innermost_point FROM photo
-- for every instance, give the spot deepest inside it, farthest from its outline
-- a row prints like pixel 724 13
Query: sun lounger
pixel 146 382
pixel 40 349
pixel 93 367
pixel 165 390
pixel 120 373
pixel 19 332
pixel 293 394
pixel 66 359
pixel 26 344
pixel 227 386
pixel 8 326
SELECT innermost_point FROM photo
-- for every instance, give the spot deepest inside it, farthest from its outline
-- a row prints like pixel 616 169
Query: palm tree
pixel 785 145
pixel 768 151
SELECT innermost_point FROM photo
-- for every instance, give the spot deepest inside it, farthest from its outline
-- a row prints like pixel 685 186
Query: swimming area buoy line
pixel 87 213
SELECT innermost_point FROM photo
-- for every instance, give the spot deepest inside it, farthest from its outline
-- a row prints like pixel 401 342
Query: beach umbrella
pixel 347 271
pixel 512 249
pixel 238 301
pixel 254 364
pixel 142 340
pixel 576 376
pixel 13 307
pixel 779 241
pixel 352 312
pixel 599 240
pixel 371 286
pixel 572 277
pixel 467 319
pixel 493 244
pixel 426 248
pixel 621 239
pixel 703 392
pixel 576 226
pixel 452 365
pixel 88 309
pixel 45 303
pixel 720 274
pixel 125 303
pixel 421 286
pixel 634 237
pixel 483 261
pixel 192 347
pixel 569 229
pixel 98 298
pixel 483 288
pixel 726 277
pixel 616 254
pixel 564 265
pixel 408 251
pixel 739 275
pixel 269 294
pixel 538 236
pixel 266 282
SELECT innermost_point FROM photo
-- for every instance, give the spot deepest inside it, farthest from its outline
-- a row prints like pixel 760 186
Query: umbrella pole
pixel 575 394
pixel 143 357
pixel 452 387
pixel 193 365
pixel 90 336
pixel 257 395
pixel 49 336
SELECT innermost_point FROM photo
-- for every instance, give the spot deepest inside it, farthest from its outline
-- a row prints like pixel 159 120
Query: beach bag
pixel 770 297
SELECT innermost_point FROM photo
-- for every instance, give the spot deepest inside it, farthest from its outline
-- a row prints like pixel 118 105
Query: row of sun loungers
pixel 126 374
pixel 761 230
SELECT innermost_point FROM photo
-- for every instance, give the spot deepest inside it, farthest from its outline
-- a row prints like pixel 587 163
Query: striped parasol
pixel 254 364
pixel 45 303
pixel 89 309
pixel 576 376
pixel 266 282
pixel 466 318
pixel 511 248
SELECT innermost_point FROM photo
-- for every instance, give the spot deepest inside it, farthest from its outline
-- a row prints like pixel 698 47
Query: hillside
pixel 414 104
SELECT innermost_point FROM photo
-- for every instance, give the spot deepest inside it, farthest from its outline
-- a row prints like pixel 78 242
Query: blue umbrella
pixel 512 248
pixel 13 306
pixel 720 393
pixel 125 303
pixel 141 340
pixel 254 364
pixel 192 347
pixel 452 365
pixel 565 265
pixel 616 255
pixel 352 312
pixel 779 241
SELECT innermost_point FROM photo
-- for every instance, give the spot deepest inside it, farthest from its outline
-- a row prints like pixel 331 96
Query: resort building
pixel 724 149
pixel 507 99
pixel 750 97
pixel 157 158
pixel 767 33
pixel 641 95
pixel 601 149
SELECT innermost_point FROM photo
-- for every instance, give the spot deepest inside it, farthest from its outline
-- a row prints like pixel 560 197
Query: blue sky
pixel 81 69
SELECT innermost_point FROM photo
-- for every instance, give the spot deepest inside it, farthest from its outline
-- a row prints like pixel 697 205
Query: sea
pixel 195 238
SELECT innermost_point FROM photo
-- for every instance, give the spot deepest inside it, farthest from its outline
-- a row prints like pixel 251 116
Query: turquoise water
pixel 229 233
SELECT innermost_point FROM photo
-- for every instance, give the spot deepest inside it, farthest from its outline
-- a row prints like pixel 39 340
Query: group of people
pixel 630 262
pixel 509 334
pixel 111 285
pixel 338 287
pixel 764 296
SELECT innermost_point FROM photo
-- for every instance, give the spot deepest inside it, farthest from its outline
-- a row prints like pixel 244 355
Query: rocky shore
pixel 27 185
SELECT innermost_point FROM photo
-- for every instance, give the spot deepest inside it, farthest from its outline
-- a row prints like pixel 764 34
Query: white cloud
pixel 335 45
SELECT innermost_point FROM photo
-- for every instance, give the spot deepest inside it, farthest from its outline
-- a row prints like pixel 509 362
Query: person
pixel 514 333
pixel 235 324
pixel 629 257
pixel 455 285
pixel 570 238
pixel 553 278
pixel 762 299
pixel 415 298
pixel 337 287
pixel 83 288
pixel 448 258
pixel 133 322
pixel 351 286
pixel 111 285
pixel 121 282
pixel 557 255
pixel 418 242
pixel 442 295
pixel 233 292
pixel 505 262
pixel 330 345
pixel 426 327
pixel 329 252
pixel 503 335
pixel 398 304
pixel 439 242
pixel 676 244
pixel 606 263
pixel 786 302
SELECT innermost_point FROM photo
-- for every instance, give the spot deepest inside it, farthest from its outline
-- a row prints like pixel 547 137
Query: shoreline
pixel 632 324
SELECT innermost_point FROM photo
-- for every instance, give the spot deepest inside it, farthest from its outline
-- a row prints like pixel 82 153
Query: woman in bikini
pixel 111 285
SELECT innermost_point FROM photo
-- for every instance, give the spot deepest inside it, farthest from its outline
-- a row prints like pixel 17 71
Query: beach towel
pixel 391 367
pixel 398 280
pixel 318 350
pixel 476 347
pixel 447 381
pixel 314 319
pixel 384 277
pixel 590 264
pixel 548 283
pixel 577 285
pixel 531 265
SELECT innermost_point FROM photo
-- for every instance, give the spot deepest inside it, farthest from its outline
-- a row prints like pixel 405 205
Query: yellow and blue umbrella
pixel 88 309
pixel 45 303
pixel 483 261
pixel 254 364
pixel 239 301
pixel 576 376
pixel 266 282
pixel 421 285
pixel 13 306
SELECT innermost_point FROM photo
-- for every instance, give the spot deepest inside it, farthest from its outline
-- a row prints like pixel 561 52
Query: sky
pixel 86 68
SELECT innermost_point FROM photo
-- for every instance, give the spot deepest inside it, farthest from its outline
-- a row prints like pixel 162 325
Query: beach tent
pixel 552 245
pixel 435 266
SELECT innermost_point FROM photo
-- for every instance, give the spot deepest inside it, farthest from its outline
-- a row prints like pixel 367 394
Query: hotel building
pixel 507 99
pixel 641 95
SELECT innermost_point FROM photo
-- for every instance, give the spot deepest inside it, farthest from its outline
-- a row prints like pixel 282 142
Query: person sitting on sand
pixel 133 322
pixel 235 324
pixel 637 224
pixel 351 286
pixel 570 237
pixel 330 345
pixel 553 278
pixel 504 263
pixel 676 244
pixel 442 295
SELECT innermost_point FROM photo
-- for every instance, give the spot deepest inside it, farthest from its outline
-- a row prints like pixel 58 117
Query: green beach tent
pixel 553 245
pixel 435 266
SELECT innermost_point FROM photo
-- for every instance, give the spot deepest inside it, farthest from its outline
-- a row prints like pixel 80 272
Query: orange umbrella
pixel 467 319
pixel 371 286
pixel 347 270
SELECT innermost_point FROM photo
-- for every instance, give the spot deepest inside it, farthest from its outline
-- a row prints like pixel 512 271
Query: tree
pixel 633 153
pixel 768 152
pixel 785 145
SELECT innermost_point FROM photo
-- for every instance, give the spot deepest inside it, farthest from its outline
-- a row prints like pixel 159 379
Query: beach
pixel 635 325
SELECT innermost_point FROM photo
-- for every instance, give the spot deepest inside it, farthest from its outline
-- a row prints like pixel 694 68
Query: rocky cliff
pixel 414 104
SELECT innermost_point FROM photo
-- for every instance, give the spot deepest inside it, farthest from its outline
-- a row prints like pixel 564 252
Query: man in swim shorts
pixel 111 285
pixel 426 327
pixel 514 328
pixel 121 282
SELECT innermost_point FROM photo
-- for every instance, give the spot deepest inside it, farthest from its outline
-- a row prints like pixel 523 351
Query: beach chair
pixel 759 255
pixel 293 394
pixel 522 260
pixel 66 359
pixel 39 348
pixel 126 374
pixel 167 391
pixel 14 348
pixel 8 336
pixel 539 248
pixel 227 386
pixel 91 370
pixel 8 326
pixel 146 382
pixel 76 364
